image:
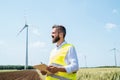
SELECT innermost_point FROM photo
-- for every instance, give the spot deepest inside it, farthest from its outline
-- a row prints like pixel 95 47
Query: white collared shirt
pixel 71 58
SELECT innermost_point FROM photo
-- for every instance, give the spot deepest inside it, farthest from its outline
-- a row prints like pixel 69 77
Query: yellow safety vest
pixel 59 59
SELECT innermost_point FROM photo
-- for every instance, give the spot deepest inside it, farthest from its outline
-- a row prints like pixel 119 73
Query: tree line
pixel 18 67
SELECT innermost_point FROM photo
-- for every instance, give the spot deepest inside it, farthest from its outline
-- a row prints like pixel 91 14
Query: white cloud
pixel 110 26
pixel 38 44
pixel 115 11
pixel 2 43
pixel 35 31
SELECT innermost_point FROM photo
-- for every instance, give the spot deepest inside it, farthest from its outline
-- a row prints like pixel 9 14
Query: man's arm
pixel 71 60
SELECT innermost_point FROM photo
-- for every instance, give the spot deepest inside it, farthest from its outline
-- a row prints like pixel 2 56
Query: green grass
pixel 99 74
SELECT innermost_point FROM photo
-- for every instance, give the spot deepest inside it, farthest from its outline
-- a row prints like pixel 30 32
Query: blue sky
pixel 92 27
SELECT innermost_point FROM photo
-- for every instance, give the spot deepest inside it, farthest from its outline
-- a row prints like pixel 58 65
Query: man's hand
pixel 52 69
pixel 43 72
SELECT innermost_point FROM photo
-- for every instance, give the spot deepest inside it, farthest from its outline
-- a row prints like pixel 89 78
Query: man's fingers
pixel 43 72
pixel 49 68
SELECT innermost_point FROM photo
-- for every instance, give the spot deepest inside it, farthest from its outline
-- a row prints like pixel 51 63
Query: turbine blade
pixel 112 49
pixel 22 29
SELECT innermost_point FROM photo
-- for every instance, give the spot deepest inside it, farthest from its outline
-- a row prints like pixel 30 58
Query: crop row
pixel 99 74
pixel 20 75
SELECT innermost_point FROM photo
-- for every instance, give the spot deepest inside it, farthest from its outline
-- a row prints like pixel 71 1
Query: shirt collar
pixel 61 44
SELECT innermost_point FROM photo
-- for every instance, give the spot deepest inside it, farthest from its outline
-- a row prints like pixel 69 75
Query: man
pixel 63 63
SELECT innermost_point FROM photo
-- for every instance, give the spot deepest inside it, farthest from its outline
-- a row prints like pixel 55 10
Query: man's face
pixel 55 35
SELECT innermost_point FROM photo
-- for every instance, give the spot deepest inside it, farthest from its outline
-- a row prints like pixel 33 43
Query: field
pixel 7 70
pixel 20 75
pixel 99 74
pixel 82 74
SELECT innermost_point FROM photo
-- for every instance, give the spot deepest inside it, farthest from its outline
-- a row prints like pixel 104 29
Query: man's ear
pixel 61 34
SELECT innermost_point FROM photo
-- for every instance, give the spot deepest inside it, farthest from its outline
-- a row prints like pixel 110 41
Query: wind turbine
pixel 85 61
pixel 115 50
pixel 26 58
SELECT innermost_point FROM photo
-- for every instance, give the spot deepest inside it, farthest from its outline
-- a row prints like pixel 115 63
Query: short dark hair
pixel 60 28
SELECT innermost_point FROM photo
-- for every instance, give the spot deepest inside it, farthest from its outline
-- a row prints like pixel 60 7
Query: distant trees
pixel 18 67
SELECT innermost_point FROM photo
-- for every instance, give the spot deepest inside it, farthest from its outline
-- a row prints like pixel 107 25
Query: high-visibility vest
pixel 59 59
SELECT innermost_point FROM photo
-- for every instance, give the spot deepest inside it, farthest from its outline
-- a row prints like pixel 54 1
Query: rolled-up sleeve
pixel 71 60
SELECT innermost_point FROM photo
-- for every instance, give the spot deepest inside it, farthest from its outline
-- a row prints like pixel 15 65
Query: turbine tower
pixel 85 61
pixel 26 58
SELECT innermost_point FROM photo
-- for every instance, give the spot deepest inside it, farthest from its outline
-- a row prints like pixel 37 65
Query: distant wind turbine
pixel 115 50
pixel 85 61
pixel 26 58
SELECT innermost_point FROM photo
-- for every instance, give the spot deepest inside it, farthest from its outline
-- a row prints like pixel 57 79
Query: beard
pixel 56 39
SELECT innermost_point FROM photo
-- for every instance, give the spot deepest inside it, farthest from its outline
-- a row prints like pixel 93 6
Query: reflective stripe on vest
pixel 59 77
